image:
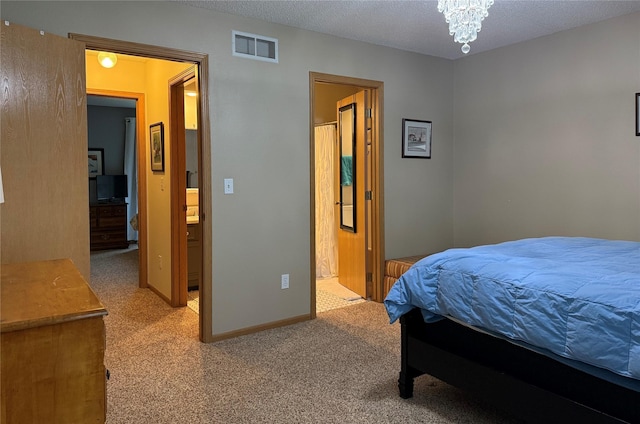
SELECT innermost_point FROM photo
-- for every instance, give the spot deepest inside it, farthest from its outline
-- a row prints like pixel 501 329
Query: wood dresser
pixel 52 344
pixel 108 224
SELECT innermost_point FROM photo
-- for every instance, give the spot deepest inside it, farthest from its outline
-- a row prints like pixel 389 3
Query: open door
pixel 44 148
pixel 186 247
pixel 352 185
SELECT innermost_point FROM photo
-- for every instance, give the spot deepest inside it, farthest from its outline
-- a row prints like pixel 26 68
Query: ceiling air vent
pixel 255 46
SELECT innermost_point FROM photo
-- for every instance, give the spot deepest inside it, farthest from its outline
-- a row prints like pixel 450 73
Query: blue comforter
pixel 577 297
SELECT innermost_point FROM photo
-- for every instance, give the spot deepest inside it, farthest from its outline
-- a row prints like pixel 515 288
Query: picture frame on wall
pixel 416 139
pixel 637 114
pixel 157 147
pixel 96 162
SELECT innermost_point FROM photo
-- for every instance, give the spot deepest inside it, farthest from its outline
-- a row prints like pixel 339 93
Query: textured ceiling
pixel 417 26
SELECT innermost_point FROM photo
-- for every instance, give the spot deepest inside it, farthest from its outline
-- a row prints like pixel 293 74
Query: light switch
pixel 228 186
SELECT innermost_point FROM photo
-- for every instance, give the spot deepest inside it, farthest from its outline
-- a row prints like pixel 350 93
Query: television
pixel 111 188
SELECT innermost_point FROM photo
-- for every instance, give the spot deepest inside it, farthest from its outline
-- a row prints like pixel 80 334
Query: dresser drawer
pixel 93 216
pixel 108 237
pixel 112 221
pixel 118 210
pixel 108 223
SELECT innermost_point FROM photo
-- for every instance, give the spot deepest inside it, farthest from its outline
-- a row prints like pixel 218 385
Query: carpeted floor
pixel 339 368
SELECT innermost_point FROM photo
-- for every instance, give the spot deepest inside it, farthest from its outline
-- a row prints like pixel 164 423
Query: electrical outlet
pixel 284 281
pixel 228 186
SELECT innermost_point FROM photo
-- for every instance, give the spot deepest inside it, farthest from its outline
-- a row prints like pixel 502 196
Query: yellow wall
pixel 148 76
pixel 326 96
pixel 129 74
pixel 158 183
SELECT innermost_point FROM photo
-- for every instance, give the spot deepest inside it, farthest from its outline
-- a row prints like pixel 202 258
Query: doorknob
pixel 338 203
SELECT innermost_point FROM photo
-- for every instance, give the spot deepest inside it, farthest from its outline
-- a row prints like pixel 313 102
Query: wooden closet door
pixel 352 243
pixel 43 149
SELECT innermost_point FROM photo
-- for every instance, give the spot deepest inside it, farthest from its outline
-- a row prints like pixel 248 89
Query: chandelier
pixel 464 18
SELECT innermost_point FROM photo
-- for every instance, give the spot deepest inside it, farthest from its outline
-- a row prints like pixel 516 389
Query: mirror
pixel 347 121
pixel 191 132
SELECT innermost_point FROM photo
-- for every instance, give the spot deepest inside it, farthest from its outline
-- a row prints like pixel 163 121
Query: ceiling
pixel 417 26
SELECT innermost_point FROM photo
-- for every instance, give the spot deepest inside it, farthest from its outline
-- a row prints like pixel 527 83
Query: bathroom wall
pixel 191 146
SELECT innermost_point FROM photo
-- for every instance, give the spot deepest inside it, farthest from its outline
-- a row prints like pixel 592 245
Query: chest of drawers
pixel 108 223
pixel 52 342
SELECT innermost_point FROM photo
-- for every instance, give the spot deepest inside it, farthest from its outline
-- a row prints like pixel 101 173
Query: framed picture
pixel 96 162
pixel 638 114
pixel 416 139
pixel 157 147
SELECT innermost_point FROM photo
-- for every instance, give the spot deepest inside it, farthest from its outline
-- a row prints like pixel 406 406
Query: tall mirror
pixel 347 121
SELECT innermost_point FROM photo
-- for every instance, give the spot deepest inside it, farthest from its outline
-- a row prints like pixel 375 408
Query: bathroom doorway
pixel 326 93
pixel 186 233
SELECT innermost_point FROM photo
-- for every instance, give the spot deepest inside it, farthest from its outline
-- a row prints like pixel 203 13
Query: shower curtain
pixel 326 238
pixel 130 169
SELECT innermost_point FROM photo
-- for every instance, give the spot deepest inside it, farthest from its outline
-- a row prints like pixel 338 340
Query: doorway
pixel 115 123
pixel 329 94
pixel 200 61
pixel 186 229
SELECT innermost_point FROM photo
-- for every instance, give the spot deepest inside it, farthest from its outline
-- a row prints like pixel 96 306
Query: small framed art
pixel 96 162
pixel 157 147
pixel 416 139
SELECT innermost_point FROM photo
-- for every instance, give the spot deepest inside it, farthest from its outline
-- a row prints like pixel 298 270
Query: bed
pixel 547 328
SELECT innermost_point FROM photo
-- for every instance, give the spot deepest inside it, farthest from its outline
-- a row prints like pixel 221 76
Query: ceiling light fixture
pixel 464 18
pixel 107 60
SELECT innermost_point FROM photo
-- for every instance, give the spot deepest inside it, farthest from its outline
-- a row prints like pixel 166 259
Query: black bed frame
pixel 529 385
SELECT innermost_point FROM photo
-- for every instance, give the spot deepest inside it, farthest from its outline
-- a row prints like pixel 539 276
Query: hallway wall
pixel 148 76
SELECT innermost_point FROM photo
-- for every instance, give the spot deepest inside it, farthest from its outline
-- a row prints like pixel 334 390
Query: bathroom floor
pixel 330 294
pixel 193 300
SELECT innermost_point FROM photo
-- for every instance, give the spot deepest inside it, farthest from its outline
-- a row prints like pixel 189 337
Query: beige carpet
pixel 339 368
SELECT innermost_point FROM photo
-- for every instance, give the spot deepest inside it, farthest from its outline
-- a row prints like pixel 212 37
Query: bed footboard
pixel 527 384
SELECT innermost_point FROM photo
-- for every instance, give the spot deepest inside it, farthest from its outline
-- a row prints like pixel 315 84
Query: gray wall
pixel 544 137
pixel 106 129
pixel 260 137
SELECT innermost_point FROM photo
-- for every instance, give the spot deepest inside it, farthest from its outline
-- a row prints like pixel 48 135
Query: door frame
pixel 201 62
pixel 142 202
pixel 179 261
pixel 377 179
